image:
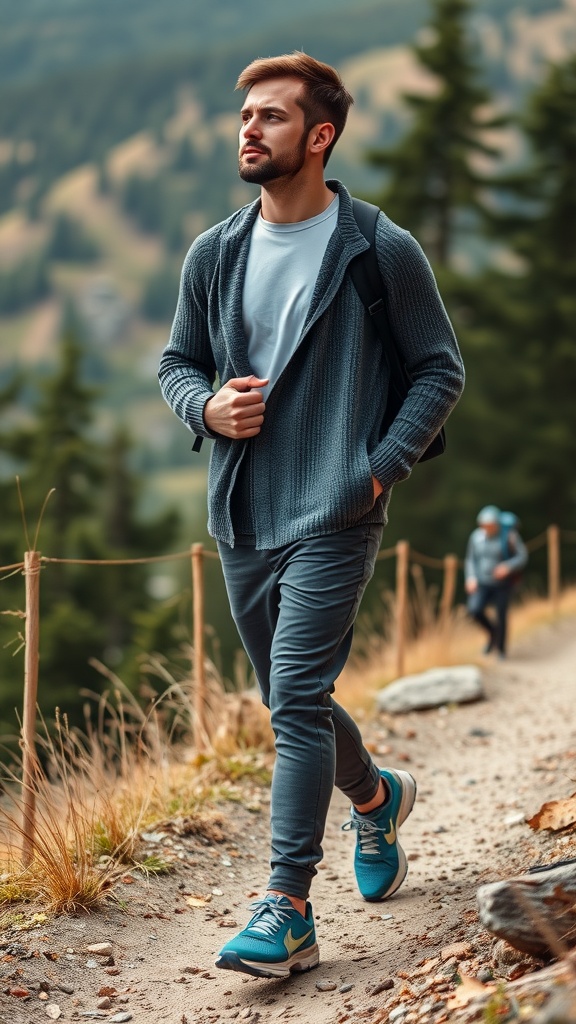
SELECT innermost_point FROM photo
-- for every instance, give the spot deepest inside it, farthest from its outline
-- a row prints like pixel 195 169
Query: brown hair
pixel 324 97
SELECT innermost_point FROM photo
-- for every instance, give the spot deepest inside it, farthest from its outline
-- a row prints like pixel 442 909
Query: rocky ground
pixel 422 956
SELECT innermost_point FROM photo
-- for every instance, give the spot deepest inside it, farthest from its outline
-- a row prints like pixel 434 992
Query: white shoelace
pixel 367 837
pixel 268 918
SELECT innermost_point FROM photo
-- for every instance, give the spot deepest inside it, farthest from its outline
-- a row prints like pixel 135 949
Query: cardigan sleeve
pixel 187 369
pixel 427 345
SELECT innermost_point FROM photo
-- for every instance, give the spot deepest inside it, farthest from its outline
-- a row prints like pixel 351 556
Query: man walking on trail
pixel 495 554
pixel 301 472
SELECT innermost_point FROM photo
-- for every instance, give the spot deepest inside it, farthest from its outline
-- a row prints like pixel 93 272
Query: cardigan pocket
pixel 368 501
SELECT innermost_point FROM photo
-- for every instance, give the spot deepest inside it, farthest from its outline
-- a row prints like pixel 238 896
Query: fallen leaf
pixel 198 901
pixel 555 815
pixel 468 990
pixel 19 992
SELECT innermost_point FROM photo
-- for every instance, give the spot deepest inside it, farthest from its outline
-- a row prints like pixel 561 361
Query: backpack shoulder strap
pixel 364 268
pixel 370 285
pixel 371 288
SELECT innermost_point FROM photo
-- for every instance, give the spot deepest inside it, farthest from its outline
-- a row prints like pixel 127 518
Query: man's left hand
pixel 501 572
pixel 377 487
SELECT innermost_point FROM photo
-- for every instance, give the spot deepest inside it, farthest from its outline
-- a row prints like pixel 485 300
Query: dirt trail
pixel 478 767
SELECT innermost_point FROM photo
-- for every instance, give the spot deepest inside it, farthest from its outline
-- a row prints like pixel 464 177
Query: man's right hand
pixel 471 585
pixel 237 409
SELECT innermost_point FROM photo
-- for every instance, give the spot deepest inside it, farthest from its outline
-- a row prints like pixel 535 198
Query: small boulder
pixel 459 684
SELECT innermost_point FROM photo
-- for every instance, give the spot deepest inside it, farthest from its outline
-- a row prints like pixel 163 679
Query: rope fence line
pixel 386 553
pixel 116 561
pixel 427 560
pixel 416 556
pixel 537 542
pixel 7 568
pixel 34 562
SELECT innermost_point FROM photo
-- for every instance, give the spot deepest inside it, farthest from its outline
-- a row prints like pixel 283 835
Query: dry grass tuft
pixel 96 791
pixel 75 824
pixel 432 645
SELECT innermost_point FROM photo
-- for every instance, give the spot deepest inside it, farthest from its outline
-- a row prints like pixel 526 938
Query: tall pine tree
pixel 533 313
pixel 431 177
pixel 86 611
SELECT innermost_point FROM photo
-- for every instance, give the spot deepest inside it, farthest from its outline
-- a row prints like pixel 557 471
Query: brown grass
pixel 373 665
pixel 98 790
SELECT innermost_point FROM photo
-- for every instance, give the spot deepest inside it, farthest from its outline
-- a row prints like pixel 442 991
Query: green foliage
pixel 142 199
pixel 499 1007
pixel 512 438
pixel 161 292
pixel 431 178
pixel 24 283
pixel 532 315
pixel 82 34
pixel 158 204
pixel 86 611
pixel 70 242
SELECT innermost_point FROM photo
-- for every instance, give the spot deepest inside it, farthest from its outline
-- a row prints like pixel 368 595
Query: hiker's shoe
pixel 379 860
pixel 276 941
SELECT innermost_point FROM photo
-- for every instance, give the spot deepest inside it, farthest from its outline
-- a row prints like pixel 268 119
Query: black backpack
pixel 371 289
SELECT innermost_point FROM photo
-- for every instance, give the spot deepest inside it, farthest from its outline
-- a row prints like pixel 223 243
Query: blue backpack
pixel 508 524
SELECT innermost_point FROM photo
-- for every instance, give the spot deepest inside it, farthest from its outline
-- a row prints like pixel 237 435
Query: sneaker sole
pixel 406 804
pixel 303 960
pixel 408 794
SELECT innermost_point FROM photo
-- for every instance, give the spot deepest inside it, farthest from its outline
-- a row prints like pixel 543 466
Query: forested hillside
pixel 118 139
pixel 40 38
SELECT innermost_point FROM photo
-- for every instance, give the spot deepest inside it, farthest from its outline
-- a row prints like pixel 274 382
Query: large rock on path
pixel 513 909
pixel 455 685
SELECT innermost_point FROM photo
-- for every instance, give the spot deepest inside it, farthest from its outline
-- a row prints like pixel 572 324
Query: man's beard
pixel 271 169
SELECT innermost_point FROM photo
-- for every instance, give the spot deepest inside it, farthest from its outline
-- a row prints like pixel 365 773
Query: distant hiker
pixel 301 470
pixel 495 556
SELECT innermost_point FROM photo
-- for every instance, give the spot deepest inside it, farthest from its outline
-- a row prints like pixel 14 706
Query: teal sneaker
pixel 276 941
pixel 379 860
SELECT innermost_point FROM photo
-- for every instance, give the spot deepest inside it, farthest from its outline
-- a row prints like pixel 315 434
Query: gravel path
pixel 480 768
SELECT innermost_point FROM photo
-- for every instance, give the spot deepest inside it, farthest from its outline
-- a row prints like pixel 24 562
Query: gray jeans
pixel 295 608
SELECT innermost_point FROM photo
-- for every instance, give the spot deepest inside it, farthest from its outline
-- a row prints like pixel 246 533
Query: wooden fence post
pixel 448 589
pixel 402 562
pixel 553 533
pixel 199 662
pixel 31 656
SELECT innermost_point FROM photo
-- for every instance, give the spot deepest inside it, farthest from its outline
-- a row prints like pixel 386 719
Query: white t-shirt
pixel 283 265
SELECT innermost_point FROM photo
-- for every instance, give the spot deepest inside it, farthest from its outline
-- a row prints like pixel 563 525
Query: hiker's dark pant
pixel 497 596
pixel 295 608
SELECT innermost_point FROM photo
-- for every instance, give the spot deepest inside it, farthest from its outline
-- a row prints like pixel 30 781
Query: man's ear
pixel 321 136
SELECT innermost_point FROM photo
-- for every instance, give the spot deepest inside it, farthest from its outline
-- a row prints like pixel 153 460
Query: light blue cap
pixel 488 514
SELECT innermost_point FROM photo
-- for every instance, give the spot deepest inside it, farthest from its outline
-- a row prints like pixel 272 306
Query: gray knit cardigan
pixel 321 440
